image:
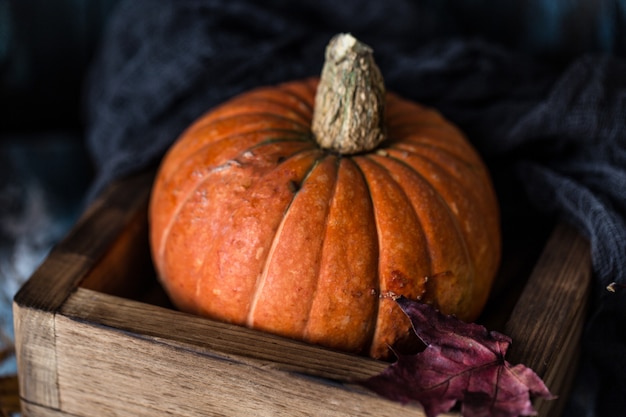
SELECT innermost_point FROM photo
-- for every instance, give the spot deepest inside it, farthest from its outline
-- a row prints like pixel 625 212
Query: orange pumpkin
pixel 254 223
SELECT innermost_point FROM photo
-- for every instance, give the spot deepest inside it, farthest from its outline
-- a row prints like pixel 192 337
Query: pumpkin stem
pixel 350 100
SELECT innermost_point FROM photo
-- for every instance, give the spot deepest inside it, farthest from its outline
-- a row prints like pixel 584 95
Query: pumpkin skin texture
pixel 252 223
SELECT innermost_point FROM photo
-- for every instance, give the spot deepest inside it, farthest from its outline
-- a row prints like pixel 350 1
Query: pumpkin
pixel 305 209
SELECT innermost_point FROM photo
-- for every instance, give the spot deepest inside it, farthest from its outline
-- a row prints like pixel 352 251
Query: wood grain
pixel 547 320
pixel 36 303
pixel 126 266
pixel 29 410
pixel 36 355
pixel 207 337
pixel 103 371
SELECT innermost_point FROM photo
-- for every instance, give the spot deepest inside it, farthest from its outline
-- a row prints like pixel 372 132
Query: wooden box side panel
pixel 36 356
pixel 34 410
pixel 39 299
pixel 548 319
pixel 33 321
pixel 212 338
pixel 103 371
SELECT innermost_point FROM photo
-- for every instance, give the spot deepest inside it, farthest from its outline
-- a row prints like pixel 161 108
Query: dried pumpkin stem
pixel 350 100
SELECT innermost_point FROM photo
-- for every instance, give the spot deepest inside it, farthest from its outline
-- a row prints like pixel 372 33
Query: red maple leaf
pixel 462 362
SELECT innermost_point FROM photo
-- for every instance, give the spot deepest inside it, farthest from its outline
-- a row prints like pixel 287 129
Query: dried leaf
pixel 462 362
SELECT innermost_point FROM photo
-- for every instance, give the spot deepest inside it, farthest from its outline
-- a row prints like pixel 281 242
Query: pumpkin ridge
pixel 241 104
pixel 299 165
pixel 428 286
pixel 305 333
pixel 409 148
pixel 281 95
pixel 402 113
pixel 169 179
pixel 303 91
pixel 206 134
pixel 267 114
pixel 391 324
pixel 284 88
pixel 260 281
pixel 396 115
pixel 390 155
pixel 475 199
pixel 374 330
pixel 373 158
pixel 326 278
pixel 297 137
pixel 450 175
pixel 288 88
pixel 409 144
pixel 166 230
pixel 302 116
pixel 315 292
pixel 199 183
pixel 467 155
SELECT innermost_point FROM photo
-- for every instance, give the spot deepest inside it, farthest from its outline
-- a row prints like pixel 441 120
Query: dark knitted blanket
pixel 554 131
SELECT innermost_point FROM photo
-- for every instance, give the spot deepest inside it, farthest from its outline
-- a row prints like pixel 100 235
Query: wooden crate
pixel 96 336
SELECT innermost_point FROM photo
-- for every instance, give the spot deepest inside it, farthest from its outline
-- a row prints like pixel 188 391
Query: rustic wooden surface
pixel 551 311
pixel 183 375
pixel 37 302
pixel 95 336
